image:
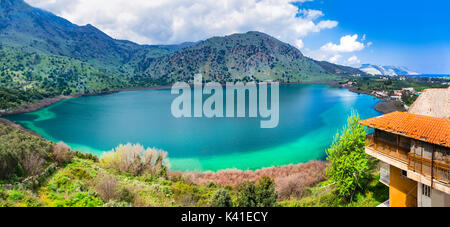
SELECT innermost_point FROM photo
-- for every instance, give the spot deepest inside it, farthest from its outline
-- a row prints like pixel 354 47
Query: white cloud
pixel 353 61
pixel 347 44
pixel 340 53
pixel 335 58
pixel 299 44
pixel 175 21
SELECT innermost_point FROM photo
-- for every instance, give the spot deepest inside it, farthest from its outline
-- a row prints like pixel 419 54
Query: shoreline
pixel 385 106
pixel 202 175
pixel 218 177
pixel 32 107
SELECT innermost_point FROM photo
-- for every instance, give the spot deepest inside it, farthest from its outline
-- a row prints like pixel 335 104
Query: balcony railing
pixel 387 148
pixel 437 170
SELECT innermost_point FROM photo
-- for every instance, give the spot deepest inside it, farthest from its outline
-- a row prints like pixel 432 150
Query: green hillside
pixel 39 76
pixel 43 55
pixel 249 56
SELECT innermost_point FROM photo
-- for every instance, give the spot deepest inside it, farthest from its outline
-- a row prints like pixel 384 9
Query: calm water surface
pixel 310 115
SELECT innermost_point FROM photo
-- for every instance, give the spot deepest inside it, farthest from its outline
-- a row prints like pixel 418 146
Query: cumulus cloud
pixel 347 44
pixel 174 21
pixel 353 61
pixel 335 58
pixel 340 53
pixel 299 44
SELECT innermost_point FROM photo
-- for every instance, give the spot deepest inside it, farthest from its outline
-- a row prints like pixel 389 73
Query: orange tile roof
pixel 429 129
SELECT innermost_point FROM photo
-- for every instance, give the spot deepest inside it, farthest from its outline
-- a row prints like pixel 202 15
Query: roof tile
pixel 430 129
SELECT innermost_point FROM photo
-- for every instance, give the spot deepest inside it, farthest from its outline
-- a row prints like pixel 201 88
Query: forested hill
pixel 45 55
pixel 249 56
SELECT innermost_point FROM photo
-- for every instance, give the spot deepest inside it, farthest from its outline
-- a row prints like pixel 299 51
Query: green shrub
pixel 125 195
pixel 15 195
pixel 82 199
pixel 221 198
pixel 113 203
pixel 16 146
pixel 262 194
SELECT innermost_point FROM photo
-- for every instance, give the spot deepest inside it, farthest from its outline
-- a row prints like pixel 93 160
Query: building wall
pixel 439 199
pixel 402 191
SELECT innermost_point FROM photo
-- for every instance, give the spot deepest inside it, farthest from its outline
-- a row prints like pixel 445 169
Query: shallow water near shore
pixel 310 116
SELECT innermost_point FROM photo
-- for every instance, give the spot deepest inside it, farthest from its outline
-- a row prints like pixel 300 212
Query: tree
pixel 221 198
pixel 262 194
pixel 349 164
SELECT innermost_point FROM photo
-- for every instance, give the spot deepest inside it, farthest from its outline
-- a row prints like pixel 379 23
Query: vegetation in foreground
pixel 36 172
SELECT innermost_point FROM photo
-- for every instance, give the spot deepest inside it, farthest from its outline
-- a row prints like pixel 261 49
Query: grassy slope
pixel 75 184
pixel 25 77
pixel 324 195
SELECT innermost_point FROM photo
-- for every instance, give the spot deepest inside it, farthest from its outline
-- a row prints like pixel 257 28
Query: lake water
pixel 310 116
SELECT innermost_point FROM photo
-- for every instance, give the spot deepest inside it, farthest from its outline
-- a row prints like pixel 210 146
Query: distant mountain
pixel 386 70
pixel 248 56
pixel 338 69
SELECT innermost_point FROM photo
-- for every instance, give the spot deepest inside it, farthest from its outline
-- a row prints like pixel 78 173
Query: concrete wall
pixel 439 199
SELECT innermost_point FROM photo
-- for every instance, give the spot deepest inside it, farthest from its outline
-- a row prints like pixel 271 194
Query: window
pixel 404 173
pixel 426 190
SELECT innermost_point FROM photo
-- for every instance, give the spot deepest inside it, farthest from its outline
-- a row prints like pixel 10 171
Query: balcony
pixel 436 170
pixel 403 159
pixel 386 148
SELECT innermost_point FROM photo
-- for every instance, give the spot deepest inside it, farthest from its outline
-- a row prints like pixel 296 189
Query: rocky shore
pixel 389 107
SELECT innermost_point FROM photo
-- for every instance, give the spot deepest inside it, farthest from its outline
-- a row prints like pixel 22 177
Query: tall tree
pixel 349 164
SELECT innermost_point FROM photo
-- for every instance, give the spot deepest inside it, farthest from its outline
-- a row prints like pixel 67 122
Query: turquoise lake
pixel 310 116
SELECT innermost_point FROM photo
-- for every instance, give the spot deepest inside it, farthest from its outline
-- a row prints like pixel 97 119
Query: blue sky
pixel 414 34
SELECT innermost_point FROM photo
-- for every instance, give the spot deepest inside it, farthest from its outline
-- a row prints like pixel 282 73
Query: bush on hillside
pixel 136 160
pixel 62 153
pixel 15 147
pixel 106 187
pixel 221 198
pixel 33 164
pixel 262 194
